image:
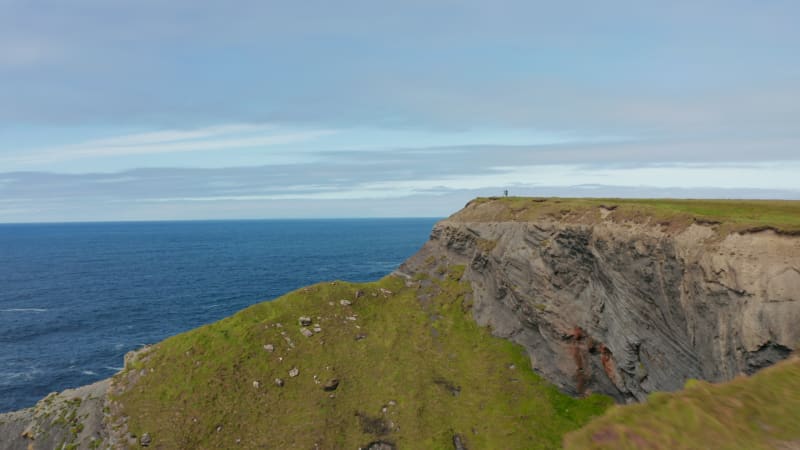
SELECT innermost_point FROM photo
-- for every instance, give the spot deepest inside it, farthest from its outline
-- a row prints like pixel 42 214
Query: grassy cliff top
pixel 413 369
pixel 760 412
pixel 732 215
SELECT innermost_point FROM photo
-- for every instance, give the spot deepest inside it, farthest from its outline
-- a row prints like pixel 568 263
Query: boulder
pixel 331 384
pixel 458 442
pixel 379 445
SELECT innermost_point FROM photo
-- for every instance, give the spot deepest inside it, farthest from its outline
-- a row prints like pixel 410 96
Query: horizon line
pixel 263 219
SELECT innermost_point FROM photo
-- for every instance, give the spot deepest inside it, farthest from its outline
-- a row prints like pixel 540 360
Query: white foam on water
pixel 24 310
pixel 88 372
pixel 26 375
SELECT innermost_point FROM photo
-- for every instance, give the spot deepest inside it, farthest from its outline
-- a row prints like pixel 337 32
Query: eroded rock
pixel 625 308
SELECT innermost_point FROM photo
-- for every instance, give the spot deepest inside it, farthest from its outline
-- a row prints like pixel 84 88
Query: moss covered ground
pixel 413 368
pixel 760 412
pixel 730 215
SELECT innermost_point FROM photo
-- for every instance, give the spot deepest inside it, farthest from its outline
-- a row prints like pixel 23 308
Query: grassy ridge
pixel 732 215
pixel 423 373
pixel 760 412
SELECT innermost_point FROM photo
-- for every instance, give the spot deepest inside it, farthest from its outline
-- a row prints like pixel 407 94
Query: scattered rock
pixel 279 382
pixel 269 347
pixel 304 321
pixel 317 329
pixel 294 372
pixel 345 302
pixel 219 428
pixel 145 440
pixel 361 336
pixel 256 384
pixel 391 403
pixel 379 445
pixel 386 291
pixel 512 366
pixel 458 442
pixel 373 425
pixel 331 385
pixel 306 332
pixel 453 389
pixel 359 293
pixel 352 318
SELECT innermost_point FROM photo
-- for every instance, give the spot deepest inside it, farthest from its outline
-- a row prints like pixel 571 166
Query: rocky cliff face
pixel 626 307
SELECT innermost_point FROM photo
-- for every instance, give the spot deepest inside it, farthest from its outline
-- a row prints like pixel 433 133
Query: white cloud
pixel 178 135
pixel 224 137
pixel 755 175
pixel 778 175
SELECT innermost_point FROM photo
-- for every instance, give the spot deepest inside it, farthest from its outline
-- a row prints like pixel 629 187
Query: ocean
pixel 74 298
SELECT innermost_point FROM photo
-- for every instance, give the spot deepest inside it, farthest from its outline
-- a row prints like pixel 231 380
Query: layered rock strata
pixel 626 307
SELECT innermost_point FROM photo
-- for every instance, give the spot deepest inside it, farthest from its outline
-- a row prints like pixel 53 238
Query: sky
pixel 153 110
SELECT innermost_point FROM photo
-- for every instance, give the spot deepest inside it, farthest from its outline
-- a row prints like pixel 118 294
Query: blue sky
pixel 256 109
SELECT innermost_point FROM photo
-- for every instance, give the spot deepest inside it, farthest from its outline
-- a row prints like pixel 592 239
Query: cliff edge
pixel 629 297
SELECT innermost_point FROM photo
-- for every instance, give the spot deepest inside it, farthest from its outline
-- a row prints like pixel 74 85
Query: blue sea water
pixel 74 298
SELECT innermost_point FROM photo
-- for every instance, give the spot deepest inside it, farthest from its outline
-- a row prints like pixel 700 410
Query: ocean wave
pixel 88 372
pixel 115 369
pixel 24 310
pixel 27 375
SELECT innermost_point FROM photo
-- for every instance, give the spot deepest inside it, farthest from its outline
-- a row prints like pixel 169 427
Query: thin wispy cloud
pixel 226 137
pixel 160 137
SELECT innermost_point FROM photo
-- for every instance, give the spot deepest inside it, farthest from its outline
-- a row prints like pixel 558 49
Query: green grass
pixel 761 412
pixel 422 351
pixel 732 215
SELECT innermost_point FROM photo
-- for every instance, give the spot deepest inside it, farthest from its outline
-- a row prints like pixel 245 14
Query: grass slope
pixel 424 373
pixel 731 215
pixel 760 412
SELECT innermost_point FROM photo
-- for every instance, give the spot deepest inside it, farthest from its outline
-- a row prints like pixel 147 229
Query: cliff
pixel 459 347
pixel 630 297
